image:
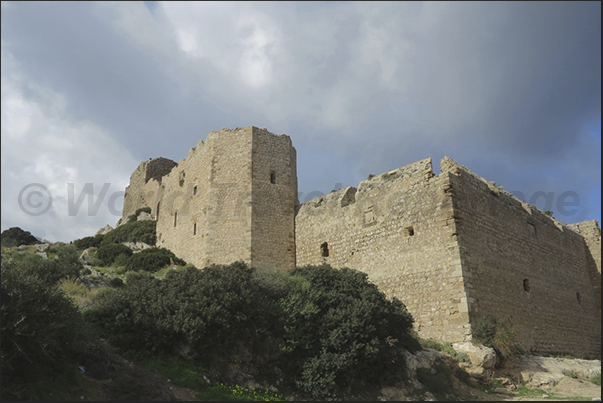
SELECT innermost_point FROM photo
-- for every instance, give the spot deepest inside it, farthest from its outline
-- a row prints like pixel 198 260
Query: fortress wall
pixel 273 204
pixel 591 232
pixel 398 228
pixel 188 237
pixel 144 185
pixel 524 267
pixel 228 207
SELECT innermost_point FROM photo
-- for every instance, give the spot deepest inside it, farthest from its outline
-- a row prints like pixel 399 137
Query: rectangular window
pixel 195 229
pixel 194 190
pixel 175 219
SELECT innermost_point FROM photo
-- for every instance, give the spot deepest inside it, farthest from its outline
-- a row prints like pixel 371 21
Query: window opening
pixel 526 285
pixel 194 190
pixel 324 249
pixel 195 229
pixel 272 177
pixel 175 218
pixel 157 213
pixel 579 298
pixel 410 231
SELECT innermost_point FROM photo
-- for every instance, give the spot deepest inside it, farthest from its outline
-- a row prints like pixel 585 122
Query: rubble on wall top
pixel 447 164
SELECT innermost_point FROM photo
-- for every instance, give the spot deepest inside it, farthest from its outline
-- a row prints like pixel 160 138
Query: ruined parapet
pixel 144 188
pixel 591 232
pixel 397 228
pixel 526 268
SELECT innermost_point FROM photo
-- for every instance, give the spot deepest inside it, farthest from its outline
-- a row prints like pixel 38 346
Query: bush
pixel 330 331
pixel 89 242
pixel 51 271
pixel 108 253
pixel 121 260
pixel 342 333
pixel 152 260
pixel 431 343
pixel 116 282
pixel 39 329
pixel 142 209
pixel 15 236
pixel 135 231
pixel 496 334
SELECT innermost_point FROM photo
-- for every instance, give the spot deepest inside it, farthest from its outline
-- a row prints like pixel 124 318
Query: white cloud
pixel 42 144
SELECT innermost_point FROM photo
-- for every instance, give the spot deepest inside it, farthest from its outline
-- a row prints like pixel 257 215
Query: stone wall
pixel 145 184
pixel 453 247
pixel 398 228
pixel 209 204
pixel 524 267
pixel 274 197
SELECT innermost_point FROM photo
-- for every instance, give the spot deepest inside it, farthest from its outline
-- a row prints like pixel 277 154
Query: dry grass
pixel 81 295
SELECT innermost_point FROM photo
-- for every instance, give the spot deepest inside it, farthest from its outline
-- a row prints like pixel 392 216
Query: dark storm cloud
pixel 512 90
pixel 72 48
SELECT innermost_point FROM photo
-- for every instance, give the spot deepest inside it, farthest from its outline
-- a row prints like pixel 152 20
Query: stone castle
pixel 454 247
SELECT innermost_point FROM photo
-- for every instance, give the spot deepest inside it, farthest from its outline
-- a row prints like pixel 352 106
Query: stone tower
pixel 232 198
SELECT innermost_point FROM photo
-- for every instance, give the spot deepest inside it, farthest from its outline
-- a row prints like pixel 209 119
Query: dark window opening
pixel 410 231
pixel 157 213
pixel 324 249
pixel 526 285
pixel 195 229
pixel 579 297
pixel 272 177
pixel 175 219
pixel 194 190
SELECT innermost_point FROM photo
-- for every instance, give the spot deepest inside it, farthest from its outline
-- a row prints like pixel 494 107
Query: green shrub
pixel 121 260
pixel 39 330
pixel 142 209
pixel 136 231
pixel 496 334
pixel 451 352
pixel 132 218
pixel 431 343
pixel 116 282
pixel 89 242
pixel 133 276
pixel 51 271
pixel 152 260
pixel 15 236
pixel 330 332
pixel 342 332
pixel 108 253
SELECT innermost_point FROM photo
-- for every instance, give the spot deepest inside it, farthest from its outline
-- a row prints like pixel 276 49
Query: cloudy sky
pixel 511 90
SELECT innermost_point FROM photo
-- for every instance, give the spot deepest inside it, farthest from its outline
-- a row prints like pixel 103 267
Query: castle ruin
pixel 454 247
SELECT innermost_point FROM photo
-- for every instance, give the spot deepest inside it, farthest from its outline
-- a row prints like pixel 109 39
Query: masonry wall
pixel 145 182
pixel 398 228
pixel 524 267
pixel 222 193
pixel 274 197
pixel 205 214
